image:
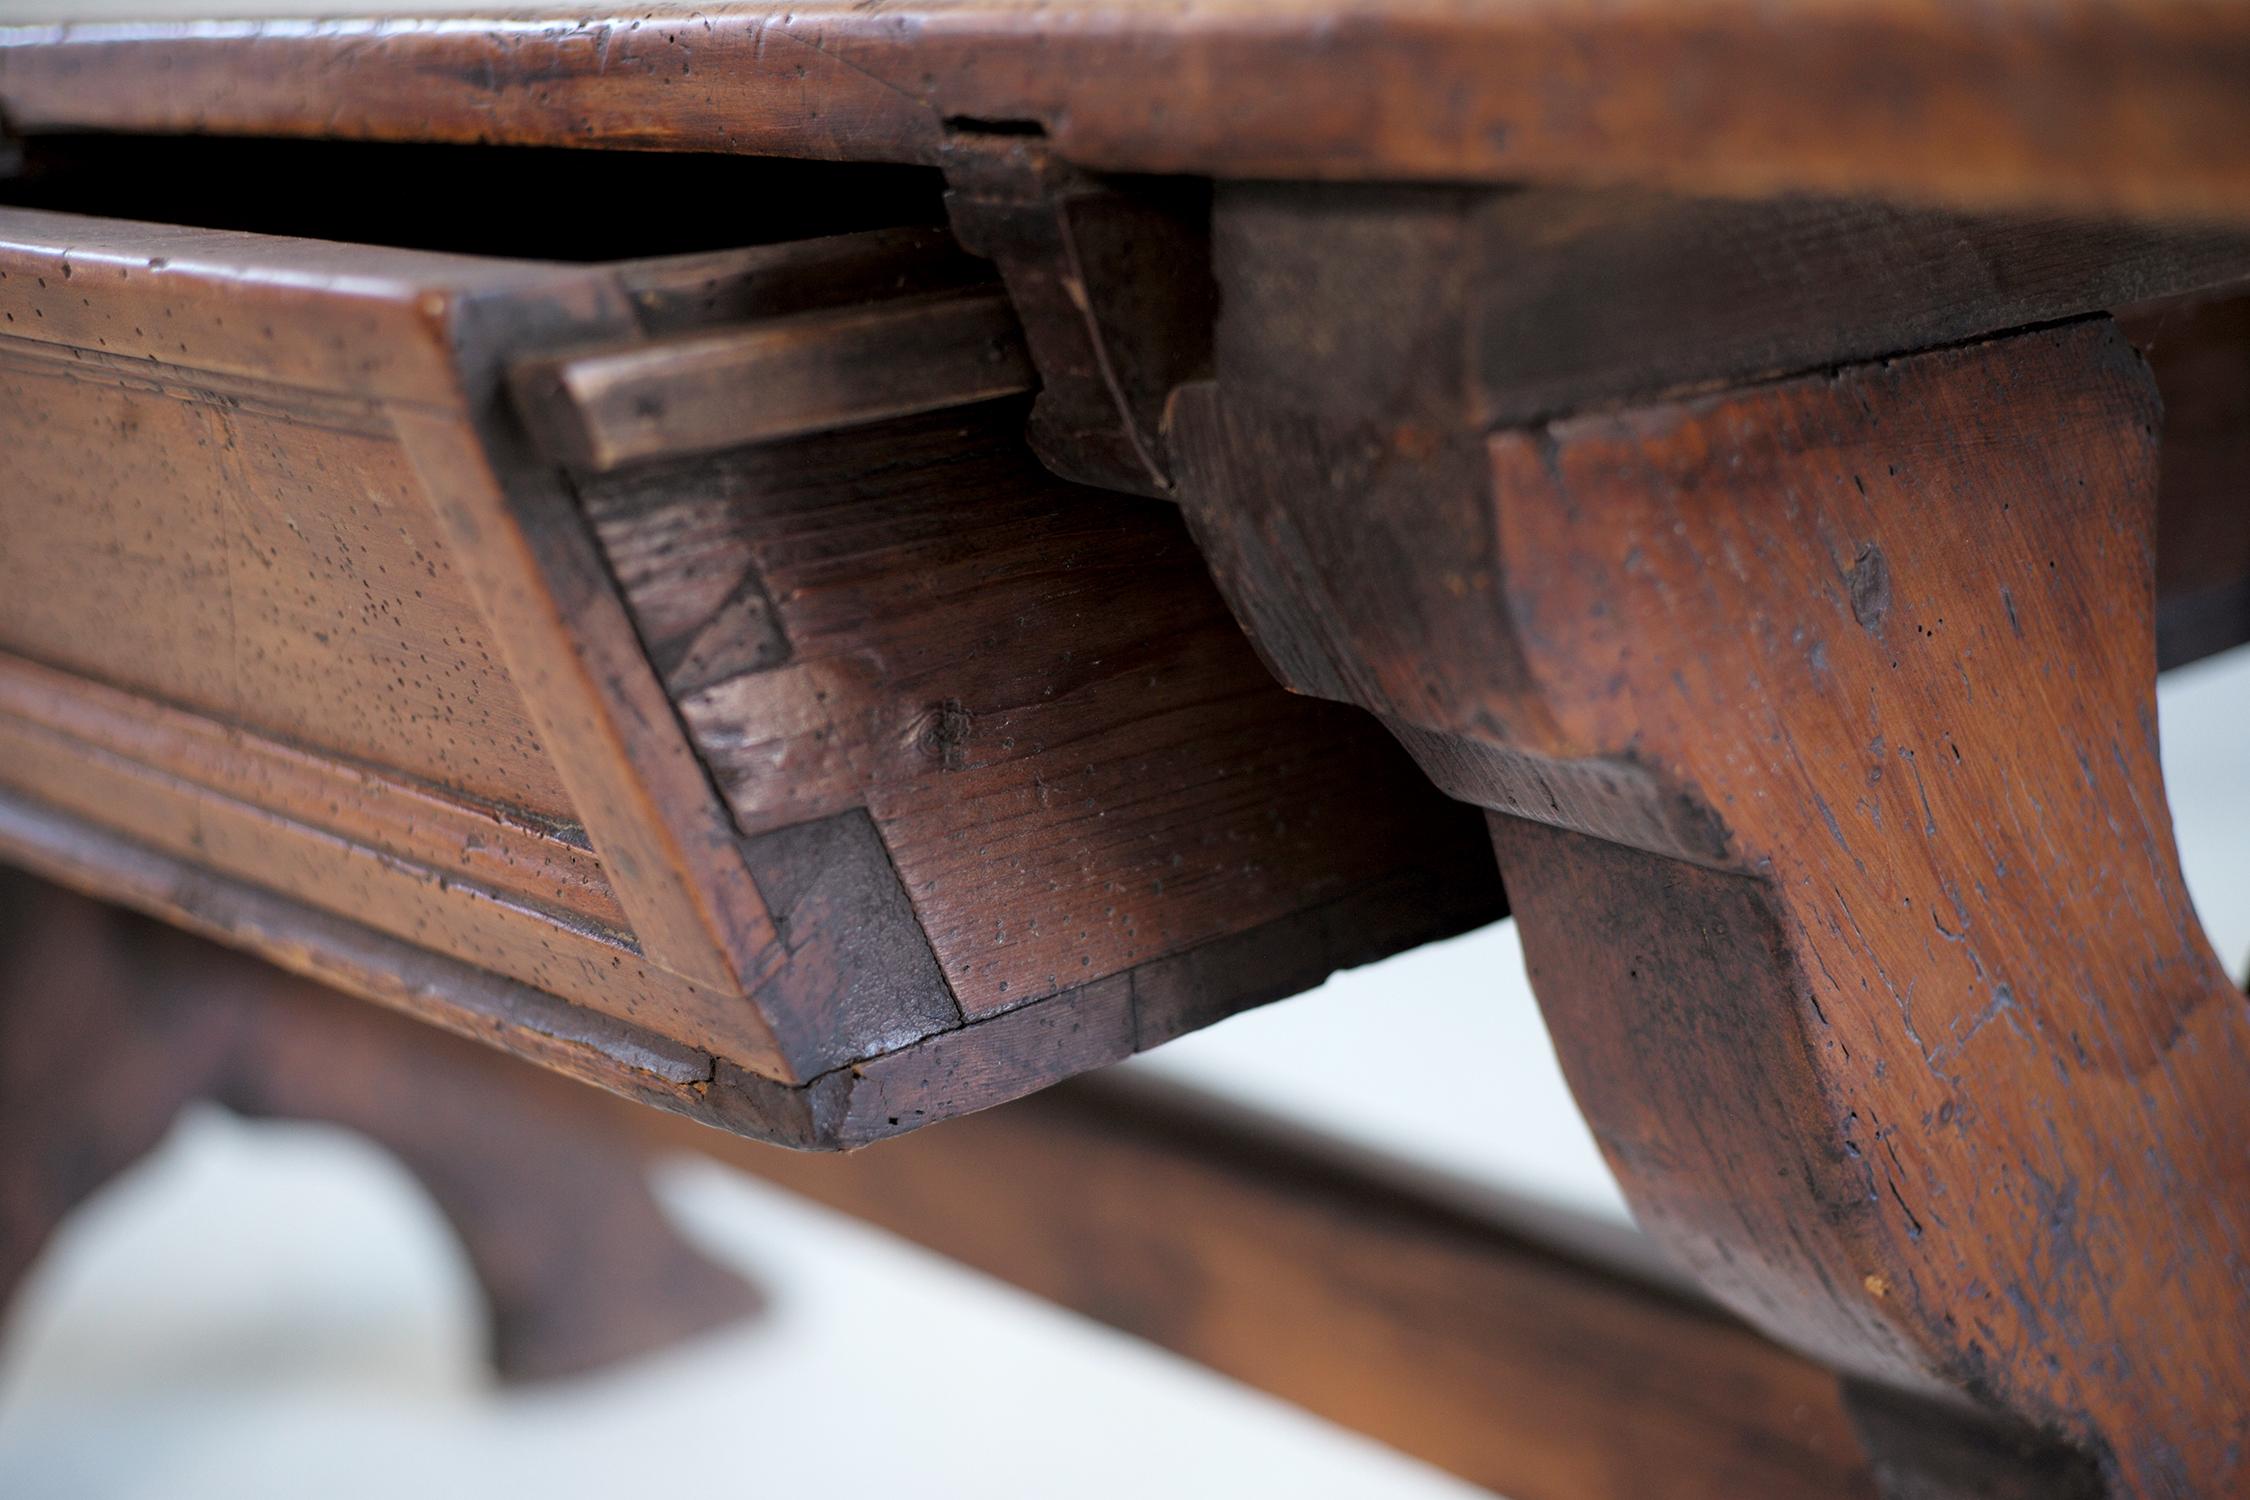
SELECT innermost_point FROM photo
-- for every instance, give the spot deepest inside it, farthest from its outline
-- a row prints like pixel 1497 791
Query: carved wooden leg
pixel 89 1081
pixel 109 1024
pixel 578 1265
pixel 1817 723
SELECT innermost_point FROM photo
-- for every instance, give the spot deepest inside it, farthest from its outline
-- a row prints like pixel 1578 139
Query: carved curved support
pixel 578 1265
pixel 109 1024
pixel 1113 285
pixel 1817 723
pixel 89 1083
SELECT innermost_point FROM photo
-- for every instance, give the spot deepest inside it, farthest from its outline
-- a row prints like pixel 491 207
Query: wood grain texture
pixel 238 494
pixel 862 966
pixel 1075 764
pixel 159 527
pixel 673 293
pixel 1920 1450
pixel 345 954
pixel 482 844
pixel 1414 1311
pixel 951 1072
pixel 1112 282
pixel 1052 810
pixel 2123 104
pixel 109 1024
pixel 566 639
pixel 774 378
pixel 1817 722
pixel 288 849
pixel 1482 308
pixel 1478 1336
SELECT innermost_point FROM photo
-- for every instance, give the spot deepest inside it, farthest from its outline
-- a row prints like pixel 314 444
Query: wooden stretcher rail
pixel 1548 1356
pixel 1459 1334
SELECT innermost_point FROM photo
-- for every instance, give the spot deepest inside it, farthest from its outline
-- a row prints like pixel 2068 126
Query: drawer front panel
pixel 242 625
pixel 263 556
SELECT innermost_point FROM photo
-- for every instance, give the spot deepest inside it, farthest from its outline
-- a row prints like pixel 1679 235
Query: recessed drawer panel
pixel 254 551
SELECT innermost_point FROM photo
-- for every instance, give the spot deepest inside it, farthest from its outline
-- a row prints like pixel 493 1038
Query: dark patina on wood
pixel 109 1024
pixel 2118 104
pixel 466 713
pixel 1817 723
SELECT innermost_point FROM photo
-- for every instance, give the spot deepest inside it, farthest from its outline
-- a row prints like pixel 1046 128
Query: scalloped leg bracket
pixel 109 1024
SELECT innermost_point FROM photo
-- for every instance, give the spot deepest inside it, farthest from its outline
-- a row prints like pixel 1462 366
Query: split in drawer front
pixel 821 785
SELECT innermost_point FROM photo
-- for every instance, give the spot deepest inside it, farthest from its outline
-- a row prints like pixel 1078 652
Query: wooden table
pixel 826 570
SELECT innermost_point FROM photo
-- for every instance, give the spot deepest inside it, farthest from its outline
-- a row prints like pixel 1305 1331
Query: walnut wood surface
pixel 1818 726
pixel 783 377
pixel 1922 1451
pixel 170 564
pixel 1113 285
pixel 1424 1316
pixel 239 491
pixel 1001 793
pixel 1481 307
pixel 889 777
pixel 1500 308
pixel 2198 348
pixel 109 1024
pixel 1453 1332
pixel 1070 756
pixel 412 823
pixel 2127 104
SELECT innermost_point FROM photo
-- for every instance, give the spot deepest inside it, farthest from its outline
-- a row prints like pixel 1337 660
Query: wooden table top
pixel 2137 106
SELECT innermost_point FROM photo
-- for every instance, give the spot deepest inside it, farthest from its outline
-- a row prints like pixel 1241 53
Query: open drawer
pixel 672 669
